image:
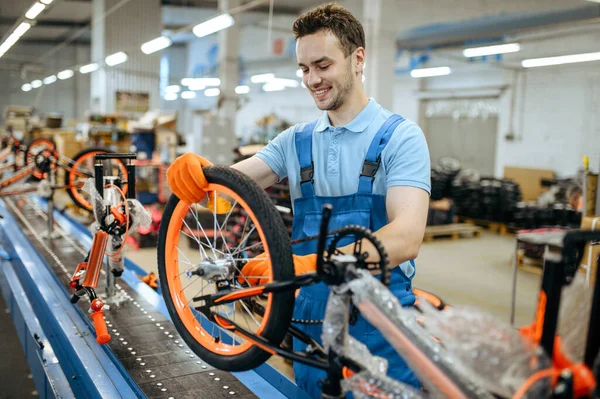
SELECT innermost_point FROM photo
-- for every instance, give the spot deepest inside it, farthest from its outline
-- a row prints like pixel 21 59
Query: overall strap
pixel 373 157
pixel 304 152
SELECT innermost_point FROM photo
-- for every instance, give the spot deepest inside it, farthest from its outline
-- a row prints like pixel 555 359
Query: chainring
pixel 360 233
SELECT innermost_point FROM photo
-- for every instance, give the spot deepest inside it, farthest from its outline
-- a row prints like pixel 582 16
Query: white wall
pixel 70 97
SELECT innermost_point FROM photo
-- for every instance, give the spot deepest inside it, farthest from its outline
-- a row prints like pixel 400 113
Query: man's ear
pixel 359 59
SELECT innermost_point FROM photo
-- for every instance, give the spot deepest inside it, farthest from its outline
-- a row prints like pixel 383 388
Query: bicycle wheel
pixel 81 168
pixel 212 242
pixel 36 147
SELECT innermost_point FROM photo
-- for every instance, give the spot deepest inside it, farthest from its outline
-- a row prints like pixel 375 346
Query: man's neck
pixel 349 110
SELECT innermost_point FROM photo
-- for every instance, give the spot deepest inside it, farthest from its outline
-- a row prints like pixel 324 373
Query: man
pixel 371 165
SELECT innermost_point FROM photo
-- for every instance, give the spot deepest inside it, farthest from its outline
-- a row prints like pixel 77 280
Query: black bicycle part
pixel 360 233
pixel 331 386
pixel 313 347
pixel 278 244
pixel 263 343
pixel 564 386
pixel 559 271
pixel 210 300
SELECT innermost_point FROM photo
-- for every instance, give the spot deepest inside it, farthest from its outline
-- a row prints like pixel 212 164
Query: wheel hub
pixel 210 269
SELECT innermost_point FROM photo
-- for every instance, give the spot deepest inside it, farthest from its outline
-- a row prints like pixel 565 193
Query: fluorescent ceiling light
pixel 216 24
pixel 242 89
pixel 171 96
pixel 26 87
pixel 188 95
pixel 303 85
pixel 262 78
pixel 212 92
pixel 172 89
pixel 491 50
pixel 36 83
pixel 196 86
pixel 428 72
pixel 187 81
pixel 66 74
pixel 563 59
pixel 34 11
pixel 273 86
pixel 363 78
pixel 286 82
pixel 88 68
pixel 116 59
pixel 46 1
pixel 155 45
pixel 208 81
pixel 299 73
pixel 22 28
pixel 50 79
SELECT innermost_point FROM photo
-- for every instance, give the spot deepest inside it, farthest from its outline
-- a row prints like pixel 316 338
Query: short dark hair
pixel 335 19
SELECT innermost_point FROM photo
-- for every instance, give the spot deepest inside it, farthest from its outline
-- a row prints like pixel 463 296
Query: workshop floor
pixel 470 271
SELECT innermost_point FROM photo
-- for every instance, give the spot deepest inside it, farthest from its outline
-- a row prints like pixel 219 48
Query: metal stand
pixel 114 268
pixel 112 296
pixel 50 232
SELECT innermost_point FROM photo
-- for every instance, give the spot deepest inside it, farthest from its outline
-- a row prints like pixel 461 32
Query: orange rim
pixel 78 195
pixel 176 286
pixel 30 156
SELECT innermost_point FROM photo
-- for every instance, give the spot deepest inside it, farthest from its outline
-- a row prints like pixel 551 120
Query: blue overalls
pixel 363 208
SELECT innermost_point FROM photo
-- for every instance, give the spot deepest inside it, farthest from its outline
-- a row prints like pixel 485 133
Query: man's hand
pixel 186 178
pixel 258 268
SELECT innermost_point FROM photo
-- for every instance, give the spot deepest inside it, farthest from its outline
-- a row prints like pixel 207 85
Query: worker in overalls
pixel 370 164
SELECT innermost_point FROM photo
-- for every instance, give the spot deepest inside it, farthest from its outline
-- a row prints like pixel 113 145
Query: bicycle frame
pixel 332 358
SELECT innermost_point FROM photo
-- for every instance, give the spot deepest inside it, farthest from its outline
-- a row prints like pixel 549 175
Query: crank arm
pixel 265 345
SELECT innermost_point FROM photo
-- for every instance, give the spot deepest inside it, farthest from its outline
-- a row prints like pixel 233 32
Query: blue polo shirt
pixel 339 152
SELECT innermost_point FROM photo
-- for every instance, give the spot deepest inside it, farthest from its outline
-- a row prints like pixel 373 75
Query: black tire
pixel 278 243
pixel 73 191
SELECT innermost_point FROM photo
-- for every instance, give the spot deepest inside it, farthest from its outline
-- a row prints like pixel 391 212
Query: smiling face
pixel 330 77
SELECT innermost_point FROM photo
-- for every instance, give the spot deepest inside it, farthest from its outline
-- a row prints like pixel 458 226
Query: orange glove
pixel 186 178
pixel 254 269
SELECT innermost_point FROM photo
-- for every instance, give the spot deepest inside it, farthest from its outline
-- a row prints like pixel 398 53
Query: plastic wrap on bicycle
pixel 140 216
pixel 574 317
pixel 365 385
pixel 334 335
pixel 479 353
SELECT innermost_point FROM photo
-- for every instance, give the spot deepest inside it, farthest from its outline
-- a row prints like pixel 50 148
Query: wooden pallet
pixel 494 227
pixel 453 231
pixel 529 265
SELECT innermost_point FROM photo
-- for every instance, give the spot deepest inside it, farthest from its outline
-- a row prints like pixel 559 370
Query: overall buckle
pixel 369 168
pixel 307 174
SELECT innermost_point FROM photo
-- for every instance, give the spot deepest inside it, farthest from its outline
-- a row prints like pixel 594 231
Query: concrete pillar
pixel 380 36
pixel 124 29
pixel 229 50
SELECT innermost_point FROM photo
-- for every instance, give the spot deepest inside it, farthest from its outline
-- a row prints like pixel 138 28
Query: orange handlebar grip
pixel 96 259
pixel 102 335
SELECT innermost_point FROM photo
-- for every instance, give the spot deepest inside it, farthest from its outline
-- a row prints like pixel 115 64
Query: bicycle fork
pixel 85 280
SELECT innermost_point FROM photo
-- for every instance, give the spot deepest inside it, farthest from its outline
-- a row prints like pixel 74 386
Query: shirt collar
pixel 358 124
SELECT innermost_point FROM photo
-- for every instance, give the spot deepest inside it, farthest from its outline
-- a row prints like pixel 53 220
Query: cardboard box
pixel 589 263
pixel 529 180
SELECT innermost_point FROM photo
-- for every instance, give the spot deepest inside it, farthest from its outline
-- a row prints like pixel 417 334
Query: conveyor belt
pixel 143 340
